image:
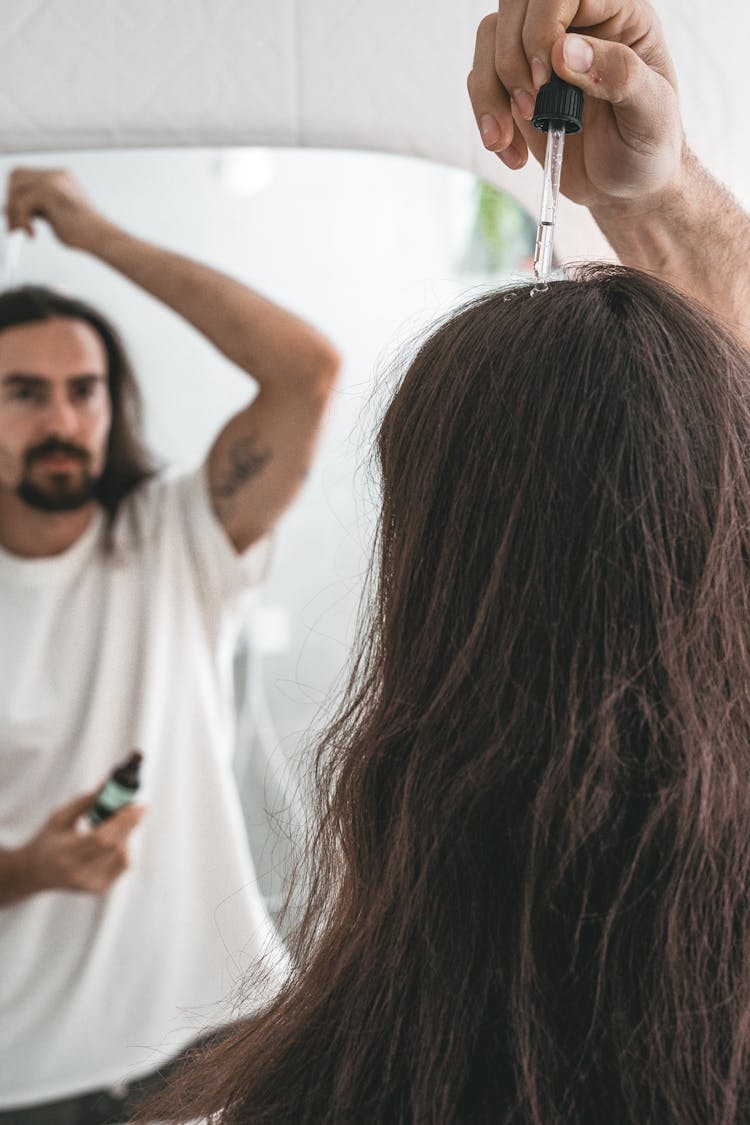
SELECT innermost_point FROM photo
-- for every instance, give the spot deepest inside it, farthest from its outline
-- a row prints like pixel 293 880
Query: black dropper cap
pixel 127 773
pixel 558 103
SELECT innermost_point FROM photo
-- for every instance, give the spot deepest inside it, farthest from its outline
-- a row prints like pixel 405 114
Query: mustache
pixel 54 445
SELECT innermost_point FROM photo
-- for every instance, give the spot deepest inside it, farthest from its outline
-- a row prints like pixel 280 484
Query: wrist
pixel 27 870
pixel 658 232
pixel 96 234
pixel 681 234
pixel 19 877
pixel 624 218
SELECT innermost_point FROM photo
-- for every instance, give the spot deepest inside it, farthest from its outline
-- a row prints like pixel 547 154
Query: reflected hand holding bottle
pixel 63 857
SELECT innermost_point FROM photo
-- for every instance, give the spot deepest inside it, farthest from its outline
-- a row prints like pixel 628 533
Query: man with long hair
pixel 529 900
pixel 117 585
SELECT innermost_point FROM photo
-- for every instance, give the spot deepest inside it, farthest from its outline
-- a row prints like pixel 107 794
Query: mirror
pixel 371 249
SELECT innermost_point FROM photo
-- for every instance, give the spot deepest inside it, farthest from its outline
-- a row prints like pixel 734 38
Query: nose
pixel 62 419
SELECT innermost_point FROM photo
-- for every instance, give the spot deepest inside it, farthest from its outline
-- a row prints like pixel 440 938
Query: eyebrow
pixel 21 378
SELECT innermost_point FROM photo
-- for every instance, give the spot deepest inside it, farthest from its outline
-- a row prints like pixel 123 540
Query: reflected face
pixel 55 413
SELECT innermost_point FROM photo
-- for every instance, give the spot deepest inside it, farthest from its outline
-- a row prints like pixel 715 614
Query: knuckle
pixel 487 25
pixel 511 66
pixel 504 48
pixel 533 46
pixel 621 74
pixel 542 29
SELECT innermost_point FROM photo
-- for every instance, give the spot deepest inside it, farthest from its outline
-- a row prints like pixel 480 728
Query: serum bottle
pixel 119 790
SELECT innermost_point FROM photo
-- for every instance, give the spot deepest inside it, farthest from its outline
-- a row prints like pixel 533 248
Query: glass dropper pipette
pixel 558 111
pixel 545 235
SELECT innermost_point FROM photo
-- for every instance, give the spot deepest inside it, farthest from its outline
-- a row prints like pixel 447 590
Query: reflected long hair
pixel 128 463
pixel 531 878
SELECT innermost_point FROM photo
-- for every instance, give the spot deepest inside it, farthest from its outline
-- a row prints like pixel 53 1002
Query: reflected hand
pixel 54 195
pixel 61 857
pixel 632 140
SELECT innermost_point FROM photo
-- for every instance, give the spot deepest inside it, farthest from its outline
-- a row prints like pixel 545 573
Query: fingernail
pixel 511 158
pixel 525 103
pixel 578 53
pixel 539 72
pixel 490 130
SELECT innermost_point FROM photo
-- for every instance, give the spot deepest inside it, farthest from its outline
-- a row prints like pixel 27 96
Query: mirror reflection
pixel 164 669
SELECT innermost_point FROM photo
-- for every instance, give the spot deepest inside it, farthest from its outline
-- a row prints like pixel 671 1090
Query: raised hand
pixel 52 194
pixel 631 147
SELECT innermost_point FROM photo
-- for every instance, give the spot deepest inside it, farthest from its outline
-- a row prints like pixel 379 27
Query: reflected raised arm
pixel 260 458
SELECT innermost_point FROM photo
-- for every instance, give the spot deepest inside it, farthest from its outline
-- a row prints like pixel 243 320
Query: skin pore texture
pixel 55 416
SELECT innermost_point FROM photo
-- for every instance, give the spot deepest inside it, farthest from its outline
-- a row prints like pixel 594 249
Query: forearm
pixel 277 348
pixel 17 877
pixel 695 236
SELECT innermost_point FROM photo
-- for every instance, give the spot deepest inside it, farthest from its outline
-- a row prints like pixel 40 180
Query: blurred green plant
pixel 502 237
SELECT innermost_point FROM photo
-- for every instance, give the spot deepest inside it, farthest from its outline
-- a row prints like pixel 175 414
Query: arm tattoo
pixel 244 461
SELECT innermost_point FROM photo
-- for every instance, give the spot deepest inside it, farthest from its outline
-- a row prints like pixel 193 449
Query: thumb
pixel 119 826
pixel 641 98
pixel 67 815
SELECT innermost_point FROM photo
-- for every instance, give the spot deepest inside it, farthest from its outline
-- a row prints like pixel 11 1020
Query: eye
pixel 27 394
pixel 82 392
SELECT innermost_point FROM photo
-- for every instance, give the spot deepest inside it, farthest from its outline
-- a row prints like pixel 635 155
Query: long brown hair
pixel 128 463
pixel 530 892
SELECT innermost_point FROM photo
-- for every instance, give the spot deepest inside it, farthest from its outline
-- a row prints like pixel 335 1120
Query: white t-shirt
pixel 100 654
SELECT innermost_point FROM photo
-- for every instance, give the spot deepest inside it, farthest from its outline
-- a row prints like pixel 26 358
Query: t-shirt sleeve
pixel 221 570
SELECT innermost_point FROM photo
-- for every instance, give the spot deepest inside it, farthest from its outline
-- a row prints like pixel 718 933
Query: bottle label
pixel 110 798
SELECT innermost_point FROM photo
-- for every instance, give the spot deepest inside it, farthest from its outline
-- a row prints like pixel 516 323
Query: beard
pixel 59 495
pixel 63 491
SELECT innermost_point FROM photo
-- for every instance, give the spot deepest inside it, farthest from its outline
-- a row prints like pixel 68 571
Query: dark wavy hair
pixel 530 887
pixel 128 463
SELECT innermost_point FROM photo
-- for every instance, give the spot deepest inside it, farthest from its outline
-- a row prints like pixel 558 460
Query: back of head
pixel 128 463
pixel 564 639
pixel 529 898
pixel 567 465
